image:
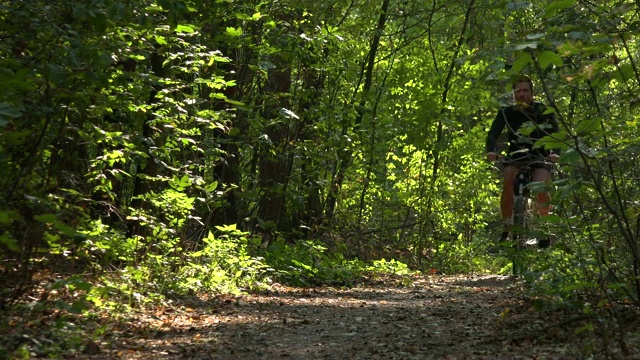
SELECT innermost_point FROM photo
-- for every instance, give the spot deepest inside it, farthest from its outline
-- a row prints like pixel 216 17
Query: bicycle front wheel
pixel 520 213
pixel 520 225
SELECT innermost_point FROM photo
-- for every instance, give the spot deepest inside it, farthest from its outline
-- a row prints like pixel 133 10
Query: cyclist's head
pixel 522 79
pixel 523 90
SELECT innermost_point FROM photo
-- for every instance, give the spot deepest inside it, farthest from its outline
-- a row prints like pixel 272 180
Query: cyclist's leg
pixel 506 200
pixel 542 201
pixel 542 198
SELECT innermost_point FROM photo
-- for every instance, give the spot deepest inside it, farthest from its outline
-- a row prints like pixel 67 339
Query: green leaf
pixel 185 180
pixel 624 73
pixel 233 32
pixel 567 190
pixel 83 285
pixel 521 62
pixel 64 228
pixel 588 126
pixel 8 111
pixel 555 141
pixel 519 5
pixel 211 187
pixel 136 57
pixel 95 300
pixel 547 58
pixel 551 219
pixel 568 49
pixel 557 6
pixel 77 307
pixel 530 45
pixel 46 218
pixel 184 29
pixel 230 227
pixel 161 40
pixel 56 73
pixel 9 242
pixel 288 114
pixel 570 156
pixel 6 217
pixel 497 65
pixel 180 183
pixel 536 36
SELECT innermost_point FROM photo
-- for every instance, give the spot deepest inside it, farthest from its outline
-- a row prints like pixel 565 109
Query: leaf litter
pixel 430 317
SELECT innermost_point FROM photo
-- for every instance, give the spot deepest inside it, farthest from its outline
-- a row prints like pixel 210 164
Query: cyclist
pixel 524 114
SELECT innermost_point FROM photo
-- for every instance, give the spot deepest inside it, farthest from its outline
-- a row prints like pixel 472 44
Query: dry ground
pixel 434 317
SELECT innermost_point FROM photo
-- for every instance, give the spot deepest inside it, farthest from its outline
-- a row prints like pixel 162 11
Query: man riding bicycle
pixel 525 117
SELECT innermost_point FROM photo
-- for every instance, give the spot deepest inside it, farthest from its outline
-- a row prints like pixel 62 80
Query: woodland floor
pixel 431 317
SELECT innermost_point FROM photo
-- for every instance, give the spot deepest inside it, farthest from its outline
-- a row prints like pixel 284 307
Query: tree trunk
pixel 344 157
pixel 273 164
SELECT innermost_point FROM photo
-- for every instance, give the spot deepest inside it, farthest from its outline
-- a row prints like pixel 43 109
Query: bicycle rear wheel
pixel 520 226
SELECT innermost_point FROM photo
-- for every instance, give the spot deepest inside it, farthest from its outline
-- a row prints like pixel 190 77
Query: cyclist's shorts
pixel 535 162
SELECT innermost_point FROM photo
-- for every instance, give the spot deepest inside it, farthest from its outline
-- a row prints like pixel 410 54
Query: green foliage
pixel 133 133
pixel 392 267
pixel 224 264
pixel 219 264
pixel 308 263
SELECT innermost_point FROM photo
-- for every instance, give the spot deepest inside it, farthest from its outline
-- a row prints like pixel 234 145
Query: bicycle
pixel 524 210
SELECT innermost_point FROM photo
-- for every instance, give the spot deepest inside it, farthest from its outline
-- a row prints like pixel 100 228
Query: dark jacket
pixel 513 118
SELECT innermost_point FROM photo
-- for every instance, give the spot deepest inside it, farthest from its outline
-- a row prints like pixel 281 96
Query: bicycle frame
pixel 522 200
pixel 522 214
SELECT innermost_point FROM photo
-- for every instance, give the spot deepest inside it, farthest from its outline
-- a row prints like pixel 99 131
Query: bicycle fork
pixel 519 220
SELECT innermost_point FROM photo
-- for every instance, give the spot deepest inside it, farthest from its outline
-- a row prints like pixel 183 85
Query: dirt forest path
pixel 436 317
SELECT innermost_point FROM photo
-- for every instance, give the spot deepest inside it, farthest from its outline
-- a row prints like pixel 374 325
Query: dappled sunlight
pixel 431 314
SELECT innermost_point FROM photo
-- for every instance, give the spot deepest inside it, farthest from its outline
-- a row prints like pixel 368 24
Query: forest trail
pixel 435 317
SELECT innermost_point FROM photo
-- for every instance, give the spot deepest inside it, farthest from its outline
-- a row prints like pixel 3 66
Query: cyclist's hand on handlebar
pixel 492 156
pixel 553 158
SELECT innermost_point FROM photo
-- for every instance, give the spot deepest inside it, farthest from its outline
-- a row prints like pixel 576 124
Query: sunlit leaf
pixel 184 29
pixel 161 40
pixel 288 114
pixel 211 187
pixel 233 32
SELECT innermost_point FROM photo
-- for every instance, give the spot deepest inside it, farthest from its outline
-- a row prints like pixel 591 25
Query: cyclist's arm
pixel 494 132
